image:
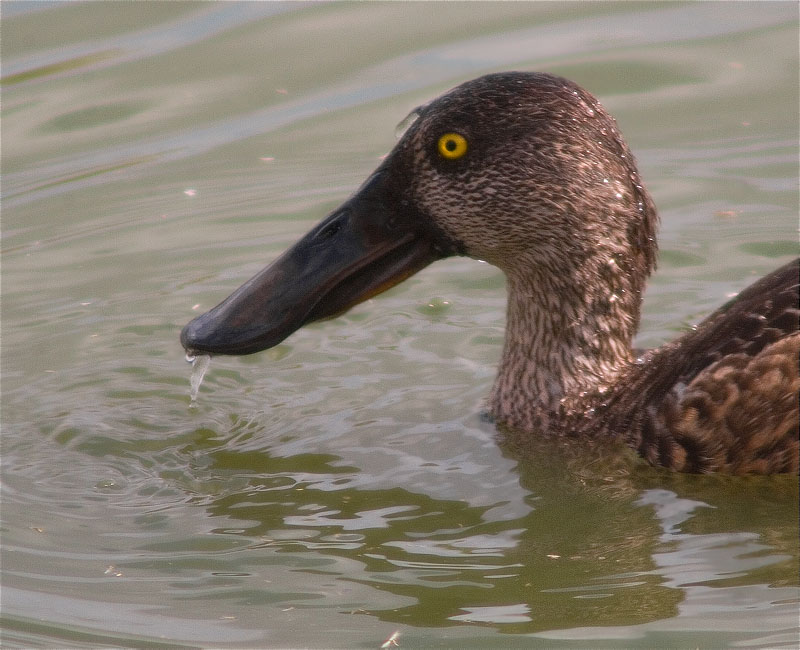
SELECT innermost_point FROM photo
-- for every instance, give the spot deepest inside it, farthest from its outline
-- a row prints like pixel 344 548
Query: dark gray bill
pixel 369 244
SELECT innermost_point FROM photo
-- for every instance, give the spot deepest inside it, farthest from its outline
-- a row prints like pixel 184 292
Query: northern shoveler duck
pixel 528 172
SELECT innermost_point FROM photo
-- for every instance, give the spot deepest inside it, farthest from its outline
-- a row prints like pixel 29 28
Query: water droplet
pixel 200 364
pixel 407 121
pixel 435 306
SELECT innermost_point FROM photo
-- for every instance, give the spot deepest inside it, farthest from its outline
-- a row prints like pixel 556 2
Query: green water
pixel 343 486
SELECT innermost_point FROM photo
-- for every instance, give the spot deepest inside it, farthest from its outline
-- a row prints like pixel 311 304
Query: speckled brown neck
pixel 568 336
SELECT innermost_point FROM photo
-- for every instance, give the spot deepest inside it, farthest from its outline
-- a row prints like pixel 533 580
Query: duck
pixel 527 171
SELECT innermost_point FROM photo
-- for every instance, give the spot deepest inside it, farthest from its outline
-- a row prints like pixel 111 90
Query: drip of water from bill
pixel 200 364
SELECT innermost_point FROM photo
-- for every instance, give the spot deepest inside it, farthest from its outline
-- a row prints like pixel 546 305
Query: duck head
pixel 523 170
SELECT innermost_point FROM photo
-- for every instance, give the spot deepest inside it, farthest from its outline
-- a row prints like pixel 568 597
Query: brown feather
pixel 724 397
pixel 550 193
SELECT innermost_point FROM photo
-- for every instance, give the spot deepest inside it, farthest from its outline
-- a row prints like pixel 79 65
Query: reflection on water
pixel 708 569
pixel 343 486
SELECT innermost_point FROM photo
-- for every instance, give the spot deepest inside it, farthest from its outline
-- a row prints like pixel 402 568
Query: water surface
pixel 343 486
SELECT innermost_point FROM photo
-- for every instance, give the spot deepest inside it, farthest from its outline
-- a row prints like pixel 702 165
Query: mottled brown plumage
pixel 570 223
pixel 546 190
pixel 724 397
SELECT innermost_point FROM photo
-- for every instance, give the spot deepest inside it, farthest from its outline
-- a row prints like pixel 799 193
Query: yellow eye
pixel 452 146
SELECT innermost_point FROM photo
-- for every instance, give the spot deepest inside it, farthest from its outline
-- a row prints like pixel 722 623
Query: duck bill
pixel 361 249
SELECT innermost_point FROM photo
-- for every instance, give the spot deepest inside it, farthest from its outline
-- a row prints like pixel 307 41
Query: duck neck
pixel 568 336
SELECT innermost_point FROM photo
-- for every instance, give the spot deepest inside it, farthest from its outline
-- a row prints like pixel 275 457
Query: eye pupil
pixel 451 145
